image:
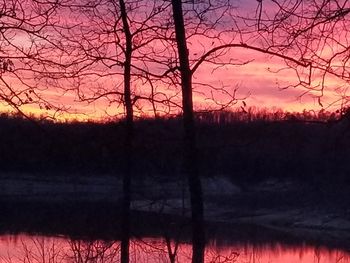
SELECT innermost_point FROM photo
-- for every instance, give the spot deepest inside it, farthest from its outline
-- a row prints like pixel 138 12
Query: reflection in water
pixel 92 251
pixel 38 249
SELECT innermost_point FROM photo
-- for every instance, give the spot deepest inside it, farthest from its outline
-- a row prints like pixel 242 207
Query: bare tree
pixel 206 24
pixel 313 32
pixel 109 42
pixel 24 29
pixel 190 150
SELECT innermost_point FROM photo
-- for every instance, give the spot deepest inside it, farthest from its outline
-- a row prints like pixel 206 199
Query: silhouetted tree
pixel 123 27
pixel 190 150
pixel 24 30
pixel 313 32
pixel 203 22
pixel 129 135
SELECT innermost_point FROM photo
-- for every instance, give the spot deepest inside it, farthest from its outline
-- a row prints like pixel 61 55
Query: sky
pixel 255 79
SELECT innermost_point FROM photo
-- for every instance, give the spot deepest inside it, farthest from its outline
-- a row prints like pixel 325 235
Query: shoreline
pixel 43 203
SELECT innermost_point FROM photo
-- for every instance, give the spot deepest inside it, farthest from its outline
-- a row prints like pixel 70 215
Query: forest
pixel 246 147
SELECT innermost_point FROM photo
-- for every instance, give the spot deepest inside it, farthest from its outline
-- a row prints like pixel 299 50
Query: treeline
pixel 251 114
pixel 246 146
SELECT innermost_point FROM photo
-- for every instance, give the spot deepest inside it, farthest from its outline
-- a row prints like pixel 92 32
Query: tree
pixel 129 135
pixel 122 26
pixel 190 151
pixel 24 29
pixel 314 32
pixel 205 23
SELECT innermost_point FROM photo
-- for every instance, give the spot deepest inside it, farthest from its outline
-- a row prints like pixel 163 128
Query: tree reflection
pixel 36 250
pixel 156 250
pixel 172 249
pixel 213 256
pixel 93 251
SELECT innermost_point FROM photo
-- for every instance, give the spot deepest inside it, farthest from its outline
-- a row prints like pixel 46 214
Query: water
pixel 24 248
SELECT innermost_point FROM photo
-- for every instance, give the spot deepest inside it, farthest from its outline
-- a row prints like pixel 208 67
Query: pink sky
pixel 259 82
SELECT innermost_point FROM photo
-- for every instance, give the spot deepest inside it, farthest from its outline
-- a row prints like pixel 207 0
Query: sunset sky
pixel 260 81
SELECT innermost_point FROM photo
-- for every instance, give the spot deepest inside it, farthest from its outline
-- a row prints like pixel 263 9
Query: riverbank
pixel 271 211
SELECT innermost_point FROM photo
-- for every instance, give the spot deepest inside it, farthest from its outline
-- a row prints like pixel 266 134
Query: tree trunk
pixel 129 138
pixel 190 145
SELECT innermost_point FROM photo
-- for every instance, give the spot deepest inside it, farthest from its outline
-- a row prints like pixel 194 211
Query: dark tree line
pixel 227 145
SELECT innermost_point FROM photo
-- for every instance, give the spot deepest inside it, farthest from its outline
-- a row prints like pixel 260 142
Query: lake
pixel 23 248
pixel 54 221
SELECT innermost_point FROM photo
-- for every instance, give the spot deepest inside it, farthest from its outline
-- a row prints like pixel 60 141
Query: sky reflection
pixel 40 249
